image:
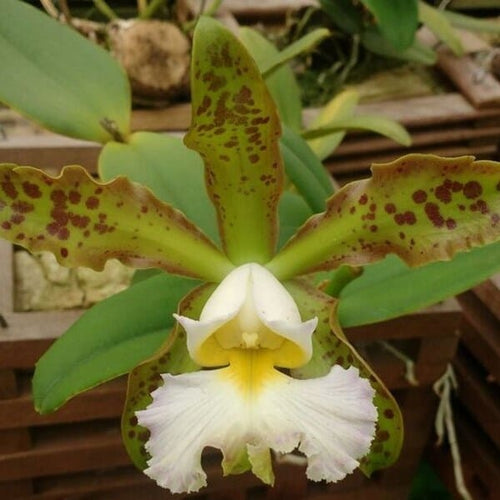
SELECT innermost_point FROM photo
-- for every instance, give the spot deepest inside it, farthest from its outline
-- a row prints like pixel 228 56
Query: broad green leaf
pixel 372 123
pixel 172 357
pixel 293 212
pixel 330 347
pixel 421 207
pixel 439 24
pixel 171 170
pixel 344 14
pixel 340 107
pixel 302 45
pixel 417 52
pixel 305 170
pixel 389 288
pixel 472 23
pixel 108 340
pixel 397 20
pixel 59 79
pixel 85 223
pixel 282 84
pixel 236 130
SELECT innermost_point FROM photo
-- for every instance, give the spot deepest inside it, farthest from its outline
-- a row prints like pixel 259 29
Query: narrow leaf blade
pixel 393 289
pixel 84 222
pixel 106 343
pixel 421 207
pixel 236 130
pixel 397 20
pixel 56 77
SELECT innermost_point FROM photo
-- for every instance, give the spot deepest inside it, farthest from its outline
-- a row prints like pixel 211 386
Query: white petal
pixel 330 419
pixel 189 412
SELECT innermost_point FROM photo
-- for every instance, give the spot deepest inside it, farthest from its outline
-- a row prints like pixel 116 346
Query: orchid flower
pixel 257 360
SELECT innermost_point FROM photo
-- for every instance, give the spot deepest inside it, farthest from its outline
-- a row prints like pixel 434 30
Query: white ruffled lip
pixel 273 309
pixel 330 419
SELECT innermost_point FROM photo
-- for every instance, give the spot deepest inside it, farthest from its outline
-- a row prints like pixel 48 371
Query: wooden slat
pixel 481 333
pixel 489 294
pixel 105 401
pixel 480 397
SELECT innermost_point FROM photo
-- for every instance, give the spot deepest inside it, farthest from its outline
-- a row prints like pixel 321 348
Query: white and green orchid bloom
pixel 257 360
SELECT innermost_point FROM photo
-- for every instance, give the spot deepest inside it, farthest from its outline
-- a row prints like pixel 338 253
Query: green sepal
pixel 108 340
pixel 235 128
pixel 85 223
pixel 172 357
pixel 423 208
pixel 330 347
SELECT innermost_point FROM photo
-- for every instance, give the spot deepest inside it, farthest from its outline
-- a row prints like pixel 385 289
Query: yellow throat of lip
pixel 250 370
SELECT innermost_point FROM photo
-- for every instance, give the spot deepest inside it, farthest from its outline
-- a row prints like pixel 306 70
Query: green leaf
pixel 330 347
pixel 59 79
pixel 389 288
pixel 85 223
pixel 293 212
pixel 344 14
pixel 172 171
pixel 439 24
pixel 472 23
pixel 108 340
pixel 236 130
pixel 421 207
pixel 372 123
pixel 282 84
pixel 340 107
pixel 301 46
pixel 397 20
pixel 172 357
pixel 417 52
pixel 305 170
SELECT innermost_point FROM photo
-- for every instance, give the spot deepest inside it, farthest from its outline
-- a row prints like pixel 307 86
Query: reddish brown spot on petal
pixel 390 208
pixel 64 252
pixel 92 202
pixel 31 190
pixel 9 189
pixel 74 197
pixel 363 199
pixel 443 194
pixel 472 190
pixel 434 215
pixel 451 223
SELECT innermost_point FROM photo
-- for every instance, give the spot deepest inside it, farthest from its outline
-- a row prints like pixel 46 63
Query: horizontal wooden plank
pixel 103 402
pixel 481 333
pixel 480 396
pixel 489 294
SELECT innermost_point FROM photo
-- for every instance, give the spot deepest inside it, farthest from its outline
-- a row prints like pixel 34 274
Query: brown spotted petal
pixel 173 358
pixel 235 128
pixel 84 222
pixel 423 208
pixel 331 347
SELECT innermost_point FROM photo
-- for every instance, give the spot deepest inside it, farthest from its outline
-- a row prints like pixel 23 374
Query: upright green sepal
pixel 421 207
pixel 86 223
pixel 236 130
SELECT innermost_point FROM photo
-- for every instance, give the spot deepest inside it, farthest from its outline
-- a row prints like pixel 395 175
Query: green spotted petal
pixel 235 128
pixel 423 208
pixel 85 223
pixel 173 358
pixel 330 346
